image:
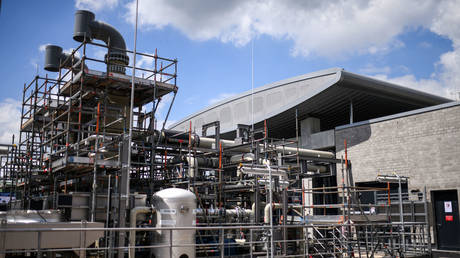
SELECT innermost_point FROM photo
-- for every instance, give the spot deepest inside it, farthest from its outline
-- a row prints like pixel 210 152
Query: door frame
pixel 434 215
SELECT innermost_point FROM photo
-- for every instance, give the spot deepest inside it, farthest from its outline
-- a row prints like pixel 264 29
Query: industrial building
pixel 329 164
pixel 388 129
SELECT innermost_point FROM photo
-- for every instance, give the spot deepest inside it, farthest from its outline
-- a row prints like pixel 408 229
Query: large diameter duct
pixel 86 27
pixel 55 58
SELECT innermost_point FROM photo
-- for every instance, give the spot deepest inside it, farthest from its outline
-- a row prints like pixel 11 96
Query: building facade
pixel 389 130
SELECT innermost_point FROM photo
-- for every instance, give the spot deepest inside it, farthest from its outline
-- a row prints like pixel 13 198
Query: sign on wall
pixel 448 207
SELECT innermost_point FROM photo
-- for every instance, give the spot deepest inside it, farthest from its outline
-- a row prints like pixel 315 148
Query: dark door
pixel 447 219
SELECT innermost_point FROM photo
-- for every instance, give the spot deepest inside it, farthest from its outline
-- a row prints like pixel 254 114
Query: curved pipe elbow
pixel 267 211
pixel 108 34
pixel 86 28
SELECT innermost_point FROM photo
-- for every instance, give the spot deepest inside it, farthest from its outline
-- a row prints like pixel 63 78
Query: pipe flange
pixel 122 58
pixel 116 62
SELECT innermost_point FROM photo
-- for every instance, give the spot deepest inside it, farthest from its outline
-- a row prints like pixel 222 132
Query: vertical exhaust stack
pixel 86 27
pixel 55 58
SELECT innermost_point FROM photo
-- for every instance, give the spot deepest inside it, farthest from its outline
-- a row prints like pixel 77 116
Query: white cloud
pixel 99 54
pixel 34 62
pixel 10 114
pixel 432 86
pixel 403 69
pixel 42 47
pixel 445 81
pixel 96 5
pixel 164 104
pixel 385 48
pixel 162 111
pixel 221 97
pixel 371 69
pixel 70 50
pixel 333 29
pixel 145 61
pixel 324 28
pixel 167 125
pixel 191 100
pixel 424 44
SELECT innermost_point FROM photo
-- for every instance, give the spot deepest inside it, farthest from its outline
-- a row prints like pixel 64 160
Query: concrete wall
pixel 424 146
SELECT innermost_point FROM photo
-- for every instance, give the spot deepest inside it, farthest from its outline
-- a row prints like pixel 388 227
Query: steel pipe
pixel 174 137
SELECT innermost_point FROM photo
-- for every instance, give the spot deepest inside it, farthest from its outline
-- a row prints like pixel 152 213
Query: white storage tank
pixel 175 207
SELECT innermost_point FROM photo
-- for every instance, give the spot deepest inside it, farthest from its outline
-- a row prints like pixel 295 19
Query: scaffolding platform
pixel 75 163
pixel 118 85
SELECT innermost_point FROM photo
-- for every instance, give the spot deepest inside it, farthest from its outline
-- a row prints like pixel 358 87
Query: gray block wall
pixel 423 146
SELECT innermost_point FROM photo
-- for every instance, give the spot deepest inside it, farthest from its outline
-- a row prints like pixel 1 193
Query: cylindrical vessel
pixel 175 208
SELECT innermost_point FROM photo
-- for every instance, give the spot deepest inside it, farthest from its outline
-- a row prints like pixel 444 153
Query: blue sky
pixel 412 43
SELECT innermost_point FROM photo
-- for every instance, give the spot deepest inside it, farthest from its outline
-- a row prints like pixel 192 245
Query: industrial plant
pixel 327 164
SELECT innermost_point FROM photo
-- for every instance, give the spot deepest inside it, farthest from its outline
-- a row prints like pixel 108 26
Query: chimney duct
pixel 87 27
pixel 54 57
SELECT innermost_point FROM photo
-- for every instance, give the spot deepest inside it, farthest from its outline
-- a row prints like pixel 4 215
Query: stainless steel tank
pixel 175 207
pixel 31 216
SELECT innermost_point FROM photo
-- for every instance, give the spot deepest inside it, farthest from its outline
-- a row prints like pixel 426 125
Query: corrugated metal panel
pixel 325 95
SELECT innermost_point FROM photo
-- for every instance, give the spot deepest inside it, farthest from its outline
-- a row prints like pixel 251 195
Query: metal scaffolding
pixel 249 194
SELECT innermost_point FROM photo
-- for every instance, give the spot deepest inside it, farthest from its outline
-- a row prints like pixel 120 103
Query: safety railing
pixel 366 239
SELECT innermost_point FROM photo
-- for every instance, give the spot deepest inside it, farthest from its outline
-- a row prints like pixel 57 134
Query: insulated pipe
pixel 262 171
pixel 192 166
pixel 230 212
pixel 55 59
pixel 86 27
pixel 240 158
pixel 205 142
pixel 194 162
pixel 133 221
pixel 311 168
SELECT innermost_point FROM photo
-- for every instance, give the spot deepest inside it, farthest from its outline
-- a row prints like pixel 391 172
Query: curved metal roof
pixel 324 94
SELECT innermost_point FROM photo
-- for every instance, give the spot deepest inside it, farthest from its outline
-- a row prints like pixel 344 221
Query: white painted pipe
pixel 205 142
pixel 133 222
pixel 192 166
